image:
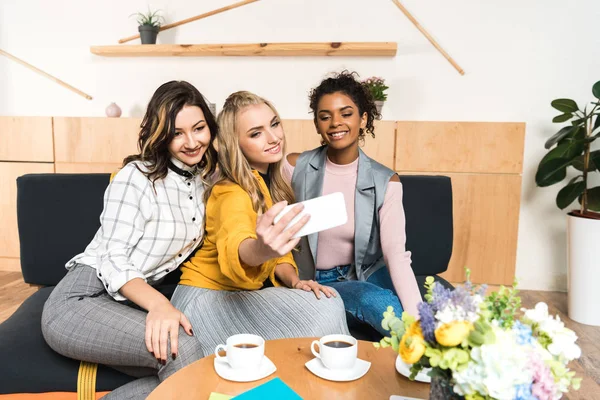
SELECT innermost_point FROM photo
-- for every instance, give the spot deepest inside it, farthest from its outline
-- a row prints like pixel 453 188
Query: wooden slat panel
pixel 301 135
pixel 86 168
pixel 26 139
pixel 10 264
pixel 95 140
pixel 486 221
pixel 9 238
pixel 361 49
pixel 484 147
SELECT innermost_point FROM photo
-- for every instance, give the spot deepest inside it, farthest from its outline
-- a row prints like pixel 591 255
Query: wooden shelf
pixel 366 49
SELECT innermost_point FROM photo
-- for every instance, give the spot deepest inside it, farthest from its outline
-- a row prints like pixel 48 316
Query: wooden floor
pixel 13 291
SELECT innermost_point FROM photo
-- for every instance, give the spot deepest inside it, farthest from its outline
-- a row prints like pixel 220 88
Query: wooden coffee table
pixel 198 380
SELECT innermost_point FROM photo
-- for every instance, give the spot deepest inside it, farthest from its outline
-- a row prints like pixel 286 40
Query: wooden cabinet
pixel 25 148
pixel 483 159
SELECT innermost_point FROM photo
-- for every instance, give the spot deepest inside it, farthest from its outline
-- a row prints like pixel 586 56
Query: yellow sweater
pixel 230 219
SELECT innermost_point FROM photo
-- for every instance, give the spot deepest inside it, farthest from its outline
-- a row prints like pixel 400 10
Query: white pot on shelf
pixel 379 107
pixel 583 255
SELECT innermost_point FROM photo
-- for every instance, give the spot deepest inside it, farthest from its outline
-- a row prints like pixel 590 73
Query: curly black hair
pixel 347 83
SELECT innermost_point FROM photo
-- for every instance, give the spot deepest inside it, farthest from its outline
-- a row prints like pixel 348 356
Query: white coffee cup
pixel 244 351
pixel 336 351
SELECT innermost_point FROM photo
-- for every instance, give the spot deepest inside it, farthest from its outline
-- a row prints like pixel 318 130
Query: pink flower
pixel 543 382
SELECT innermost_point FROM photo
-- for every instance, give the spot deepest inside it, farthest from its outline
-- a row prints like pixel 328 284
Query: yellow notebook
pixel 219 396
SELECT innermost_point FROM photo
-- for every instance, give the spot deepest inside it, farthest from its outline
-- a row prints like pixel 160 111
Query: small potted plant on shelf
pixel 377 87
pixel 573 153
pixel 149 25
pixel 479 347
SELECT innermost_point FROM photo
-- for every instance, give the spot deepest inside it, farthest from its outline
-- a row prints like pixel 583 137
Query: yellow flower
pixel 453 333
pixel 412 345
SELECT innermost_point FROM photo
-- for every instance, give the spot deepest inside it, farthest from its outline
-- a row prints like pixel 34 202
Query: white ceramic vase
pixel 379 106
pixel 113 111
pixel 583 255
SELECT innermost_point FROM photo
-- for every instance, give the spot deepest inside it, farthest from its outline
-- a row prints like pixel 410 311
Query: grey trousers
pixel 81 321
pixel 273 313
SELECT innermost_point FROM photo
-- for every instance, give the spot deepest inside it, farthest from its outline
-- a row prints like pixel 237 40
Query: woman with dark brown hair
pixel 106 309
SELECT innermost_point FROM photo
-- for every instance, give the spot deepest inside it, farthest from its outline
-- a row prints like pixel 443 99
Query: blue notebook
pixel 275 389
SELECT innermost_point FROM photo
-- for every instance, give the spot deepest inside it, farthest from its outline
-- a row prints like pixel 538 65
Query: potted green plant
pixel 377 87
pixel 571 149
pixel 149 25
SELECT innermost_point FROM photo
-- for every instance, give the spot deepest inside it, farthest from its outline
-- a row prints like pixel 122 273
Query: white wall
pixel 518 55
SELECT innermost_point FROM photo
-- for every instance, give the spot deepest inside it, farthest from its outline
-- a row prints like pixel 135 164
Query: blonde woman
pixel 224 288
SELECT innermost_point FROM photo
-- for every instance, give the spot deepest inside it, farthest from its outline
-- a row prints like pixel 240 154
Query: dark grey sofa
pixel 58 216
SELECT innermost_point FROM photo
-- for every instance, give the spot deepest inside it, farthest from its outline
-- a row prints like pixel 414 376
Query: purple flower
pixel 460 297
pixel 441 296
pixel 427 322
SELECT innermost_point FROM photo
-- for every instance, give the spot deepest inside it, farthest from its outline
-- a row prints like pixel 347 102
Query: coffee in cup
pixel 336 351
pixel 244 351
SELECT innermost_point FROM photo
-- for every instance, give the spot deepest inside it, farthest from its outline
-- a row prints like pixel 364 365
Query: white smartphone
pixel 325 212
pixel 394 397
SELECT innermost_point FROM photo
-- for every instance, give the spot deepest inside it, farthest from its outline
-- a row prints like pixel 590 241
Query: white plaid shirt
pixel 145 233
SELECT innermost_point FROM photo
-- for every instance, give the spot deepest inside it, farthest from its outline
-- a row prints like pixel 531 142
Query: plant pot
pixel 148 33
pixel 441 389
pixel 379 106
pixel 583 255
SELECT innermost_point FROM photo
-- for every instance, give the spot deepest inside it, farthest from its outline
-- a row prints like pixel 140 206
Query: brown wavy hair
pixel 158 129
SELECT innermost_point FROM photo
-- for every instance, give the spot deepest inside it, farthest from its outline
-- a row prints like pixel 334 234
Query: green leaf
pixel 574 179
pixel 561 134
pixel 596 90
pixel 577 163
pixel 565 105
pixel 551 171
pixel 568 148
pixel 569 194
pixel 593 199
pixel 596 122
pixel 562 117
pixel 594 164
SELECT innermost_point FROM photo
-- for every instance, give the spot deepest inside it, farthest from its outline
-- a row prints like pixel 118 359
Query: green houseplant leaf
pixel 562 117
pixel 568 148
pixel 596 90
pixel 552 171
pixel 561 134
pixel 593 198
pixel 569 194
pixel 565 105
pixel 594 164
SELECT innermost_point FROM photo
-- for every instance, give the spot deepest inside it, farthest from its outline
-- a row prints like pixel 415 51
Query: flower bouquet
pixel 477 347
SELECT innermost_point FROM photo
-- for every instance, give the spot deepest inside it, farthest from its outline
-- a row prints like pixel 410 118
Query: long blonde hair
pixel 233 165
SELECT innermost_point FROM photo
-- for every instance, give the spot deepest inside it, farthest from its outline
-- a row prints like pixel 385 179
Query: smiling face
pixel 260 136
pixel 192 136
pixel 339 121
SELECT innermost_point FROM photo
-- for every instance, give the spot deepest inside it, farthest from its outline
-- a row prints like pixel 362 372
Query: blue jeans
pixel 365 301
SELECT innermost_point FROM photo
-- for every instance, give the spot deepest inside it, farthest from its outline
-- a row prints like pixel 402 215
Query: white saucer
pixel 404 369
pixel 341 375
pixel 224 370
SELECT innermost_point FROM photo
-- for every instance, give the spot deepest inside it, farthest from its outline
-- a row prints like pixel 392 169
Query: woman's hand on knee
pixel 162 325
pixel 273 238
pixel 316 287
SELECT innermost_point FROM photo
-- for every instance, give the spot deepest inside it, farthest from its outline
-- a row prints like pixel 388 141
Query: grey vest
pixel 371 185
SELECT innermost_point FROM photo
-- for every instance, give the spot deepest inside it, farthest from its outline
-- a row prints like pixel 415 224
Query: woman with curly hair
pixel 365 260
